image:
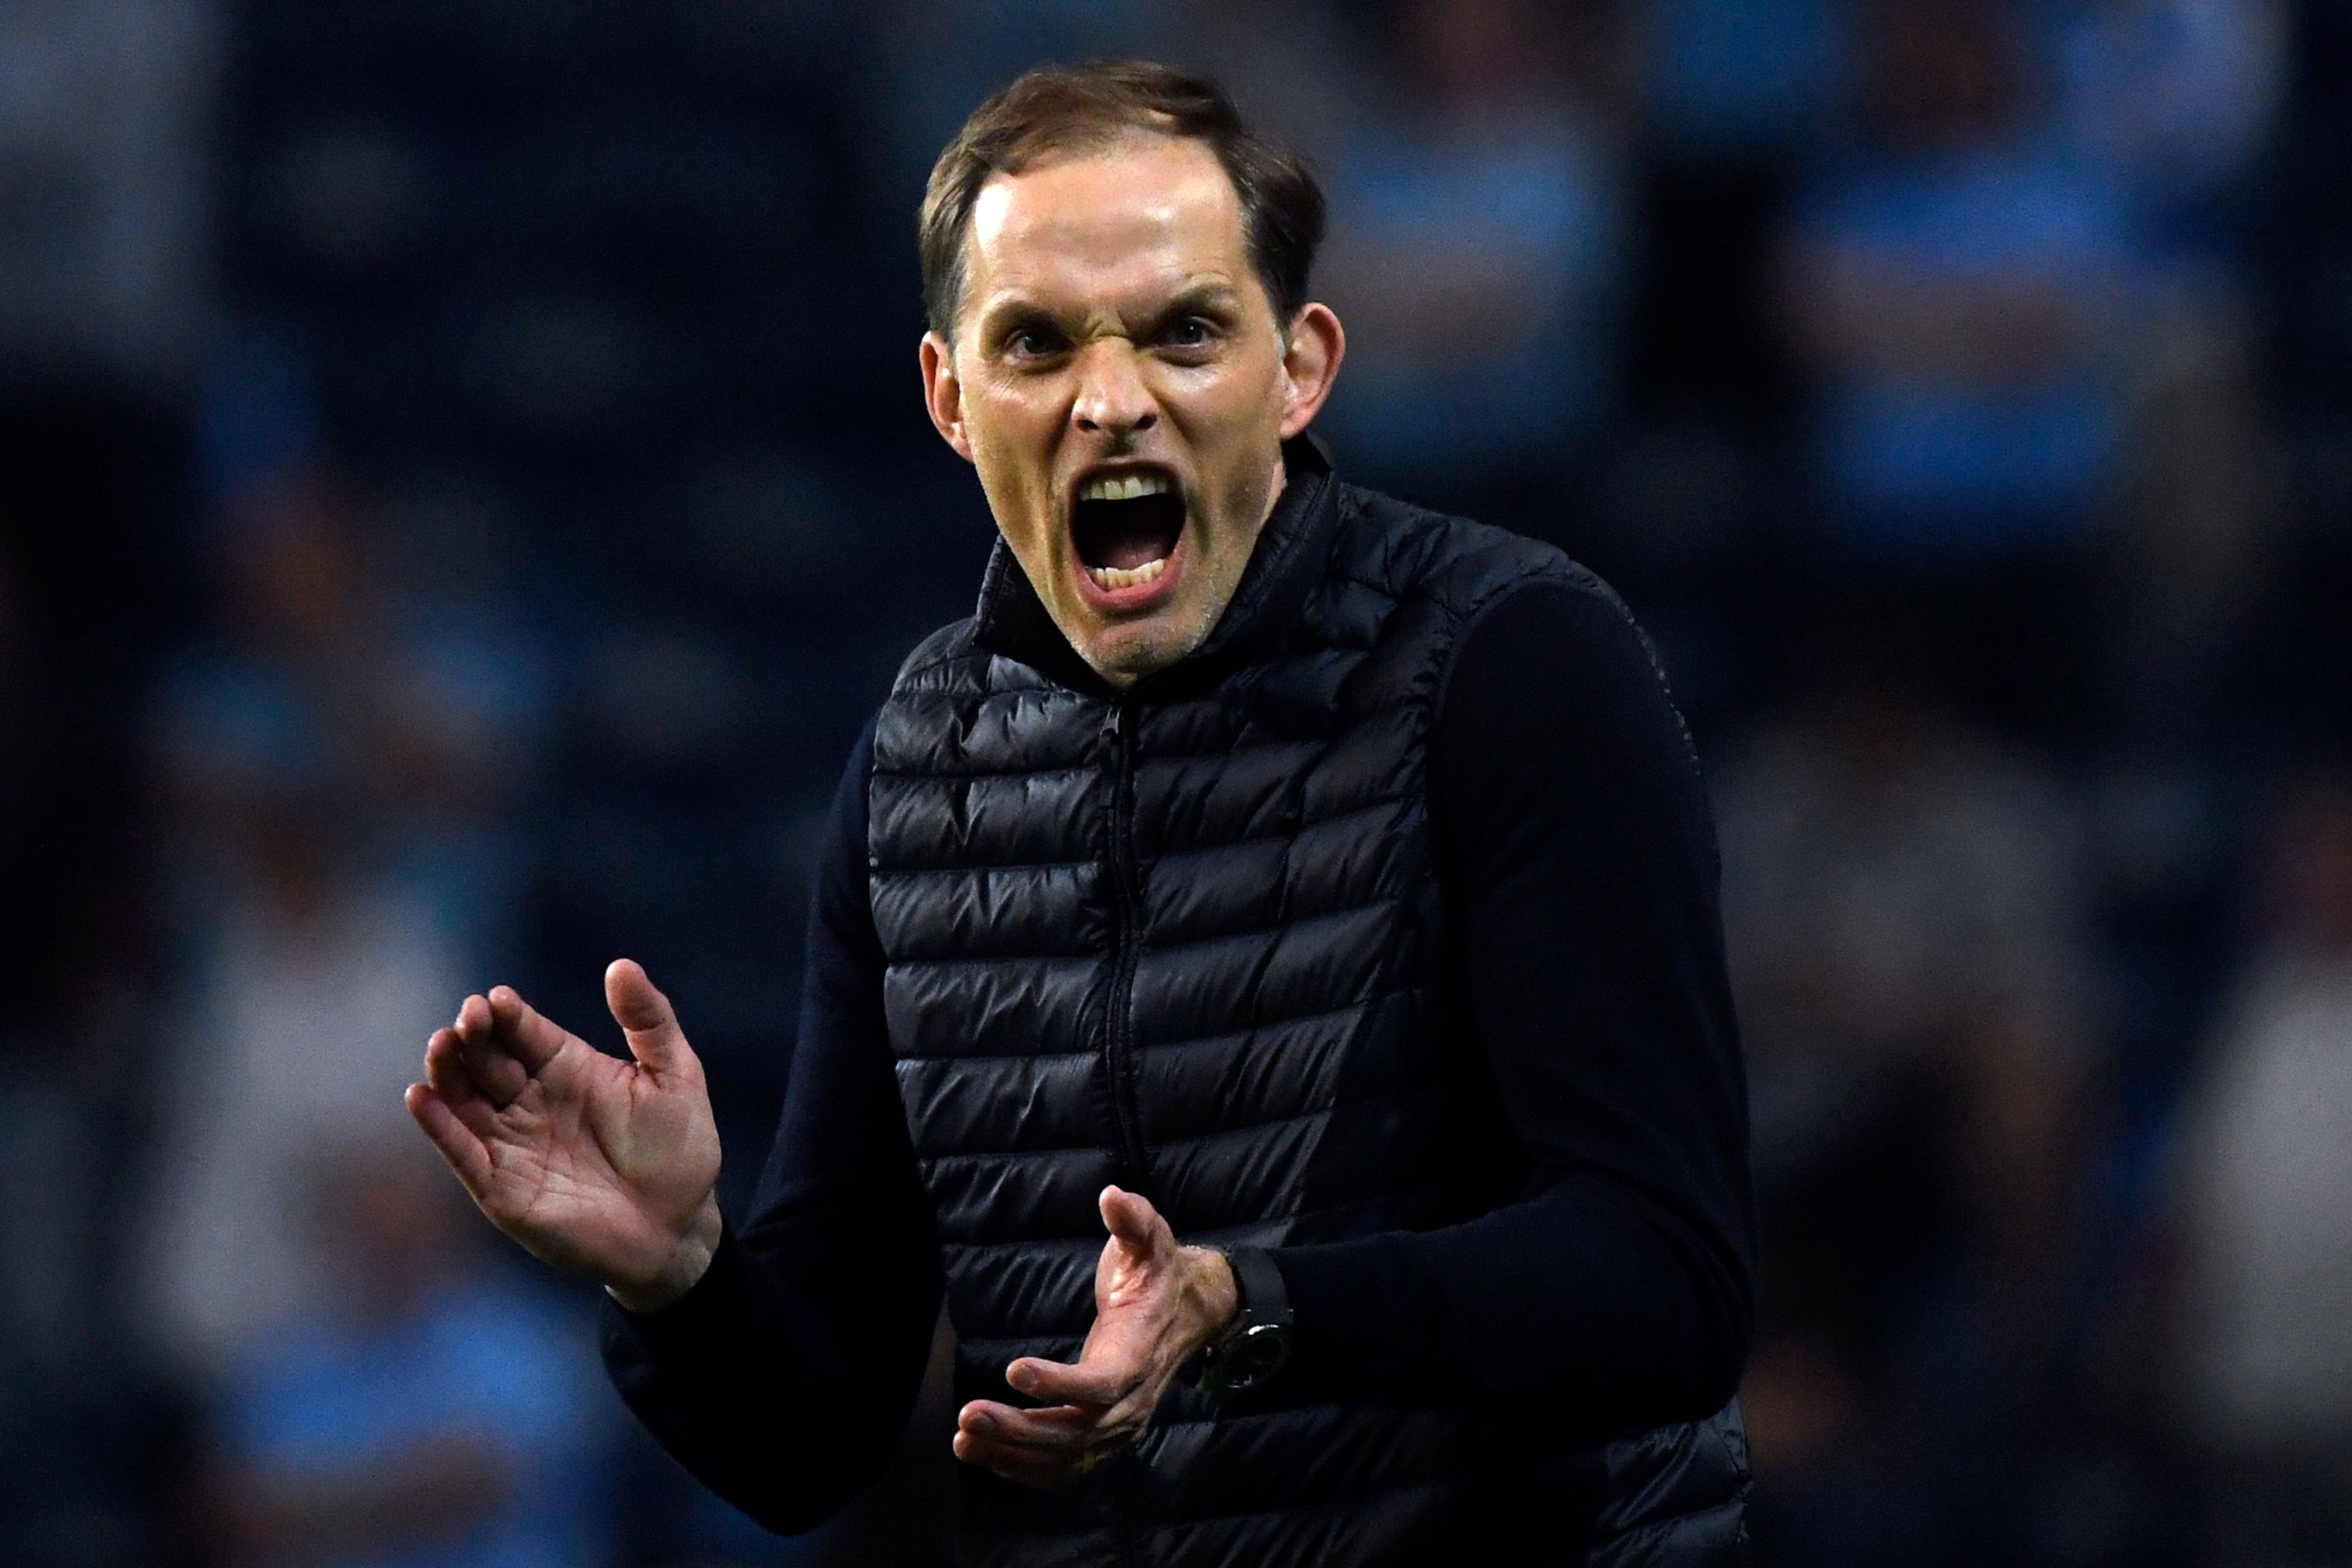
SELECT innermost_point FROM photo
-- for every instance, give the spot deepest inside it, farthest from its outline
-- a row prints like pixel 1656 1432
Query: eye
pixel 1033 343
pixel 1188 332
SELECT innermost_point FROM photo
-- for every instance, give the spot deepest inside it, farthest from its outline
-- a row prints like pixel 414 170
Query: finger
pixel 479 1048
pixel 1047 1447
pixel 1098 1385
pixel 457 1066
pixel 467 1155
pixel 445 1066
pixel 452 1078
pixel 1024 1467
pixel 646 1018
pixel 1061 1428
pixel 448 1076
pixel 522 1032
pixel 1035 1447
pixel 474 1018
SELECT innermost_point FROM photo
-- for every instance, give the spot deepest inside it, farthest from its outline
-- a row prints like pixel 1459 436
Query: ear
pixel 943 393
pixel 1310 363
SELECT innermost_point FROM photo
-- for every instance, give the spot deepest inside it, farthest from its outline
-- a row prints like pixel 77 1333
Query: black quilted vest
pixel 1189 940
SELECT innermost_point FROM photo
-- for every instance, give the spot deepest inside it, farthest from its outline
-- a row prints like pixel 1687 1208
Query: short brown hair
pixel 1058 109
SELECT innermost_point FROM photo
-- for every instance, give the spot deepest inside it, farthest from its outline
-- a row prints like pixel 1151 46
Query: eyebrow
pixel 1005 315
pixel 1208 292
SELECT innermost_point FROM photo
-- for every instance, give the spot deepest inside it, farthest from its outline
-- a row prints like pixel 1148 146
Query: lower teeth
pixel 1124 577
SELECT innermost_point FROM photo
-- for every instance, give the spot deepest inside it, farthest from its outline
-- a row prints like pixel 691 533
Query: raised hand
pixel 603 1167
pixel 1156 1303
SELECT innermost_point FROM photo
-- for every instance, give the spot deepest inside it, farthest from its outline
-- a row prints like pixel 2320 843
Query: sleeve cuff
pixel 674 1331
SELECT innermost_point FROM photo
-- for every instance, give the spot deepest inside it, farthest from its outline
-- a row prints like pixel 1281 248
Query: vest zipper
pixel 1118 1047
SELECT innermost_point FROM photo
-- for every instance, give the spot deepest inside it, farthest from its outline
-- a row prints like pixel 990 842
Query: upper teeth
pixel 1123 487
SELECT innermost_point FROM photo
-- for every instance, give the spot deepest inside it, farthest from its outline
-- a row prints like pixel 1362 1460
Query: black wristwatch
pixel 1255 1344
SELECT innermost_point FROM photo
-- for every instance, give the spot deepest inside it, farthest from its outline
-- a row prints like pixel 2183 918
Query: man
pixel 1268 864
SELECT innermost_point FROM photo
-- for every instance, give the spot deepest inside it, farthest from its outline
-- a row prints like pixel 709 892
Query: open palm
pixel 598 1166
pixel 1156 1303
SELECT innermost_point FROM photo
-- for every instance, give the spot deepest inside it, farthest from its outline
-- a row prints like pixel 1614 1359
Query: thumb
pixel 1130 1218
pixel 646 1019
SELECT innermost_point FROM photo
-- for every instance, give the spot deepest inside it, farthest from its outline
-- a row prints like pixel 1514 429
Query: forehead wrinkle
pixel 1190 171
pixel 1087 244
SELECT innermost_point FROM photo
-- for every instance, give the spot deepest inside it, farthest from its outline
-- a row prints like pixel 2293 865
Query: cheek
pixel 1233 413
pixel 1243 512
pixel 1240 454
pixel 1016 475
pixel 1241 394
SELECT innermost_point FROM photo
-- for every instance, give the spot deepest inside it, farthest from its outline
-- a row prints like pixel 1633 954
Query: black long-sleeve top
pixel 1577 862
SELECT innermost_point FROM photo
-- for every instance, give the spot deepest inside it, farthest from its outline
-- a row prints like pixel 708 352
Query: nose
pixel 1112 399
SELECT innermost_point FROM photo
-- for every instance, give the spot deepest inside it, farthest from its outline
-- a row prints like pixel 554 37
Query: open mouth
pixel 1125 527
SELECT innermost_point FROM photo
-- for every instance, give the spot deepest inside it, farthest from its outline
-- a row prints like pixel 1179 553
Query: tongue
pixel 1135 550
pixel 1128 533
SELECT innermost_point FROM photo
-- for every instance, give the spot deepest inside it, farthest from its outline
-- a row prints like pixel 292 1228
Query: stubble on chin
pixel 1136 657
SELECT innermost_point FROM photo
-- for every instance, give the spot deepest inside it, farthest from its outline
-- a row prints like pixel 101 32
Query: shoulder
pixel 1529 638
pixel 1558 669
pixel 957 661
pixel 933 681
pixel 1565 636
pixel 937 657
pixel 1457 566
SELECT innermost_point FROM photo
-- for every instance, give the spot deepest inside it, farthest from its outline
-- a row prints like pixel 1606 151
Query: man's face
pixel 1120 381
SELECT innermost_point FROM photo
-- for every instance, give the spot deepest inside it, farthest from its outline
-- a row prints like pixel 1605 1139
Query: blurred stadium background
pixel 462 485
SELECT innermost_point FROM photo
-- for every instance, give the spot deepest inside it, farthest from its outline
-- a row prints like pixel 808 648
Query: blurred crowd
pixel 463 485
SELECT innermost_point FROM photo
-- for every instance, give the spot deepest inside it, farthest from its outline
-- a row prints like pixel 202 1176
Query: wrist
pixel 1216 1297
pixel 1255 1344
pixel 684 1269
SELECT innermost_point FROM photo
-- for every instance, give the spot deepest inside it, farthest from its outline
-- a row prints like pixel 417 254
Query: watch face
pixel 1256 1354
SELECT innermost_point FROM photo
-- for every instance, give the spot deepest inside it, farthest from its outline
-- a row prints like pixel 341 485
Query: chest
pixel 1161 943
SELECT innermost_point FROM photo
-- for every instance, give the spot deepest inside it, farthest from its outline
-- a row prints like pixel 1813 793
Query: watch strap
pixel 1256 1343
pixel 1258 1280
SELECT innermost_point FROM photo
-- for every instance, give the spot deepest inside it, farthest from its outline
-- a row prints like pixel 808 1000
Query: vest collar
pixel 1290 553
